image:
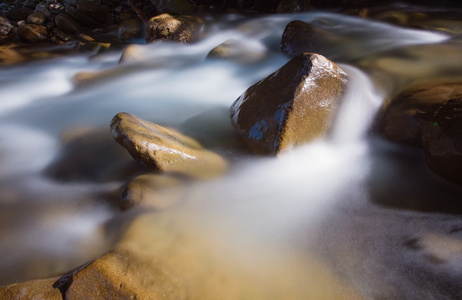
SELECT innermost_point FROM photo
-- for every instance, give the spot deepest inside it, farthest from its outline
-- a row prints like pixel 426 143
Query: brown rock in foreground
pixel 164 149
pixel 428 114
pixel 35 289
pixel 165 27
pixel 290 107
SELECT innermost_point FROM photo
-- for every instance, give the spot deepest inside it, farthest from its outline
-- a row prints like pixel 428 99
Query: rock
pixel 31 33
pixel 183 29
pixel 79 158
pixel 428 114
pixel 148 189
pixel 300 37
pixel 243 52
pixel 96 12
pixel 129 29
pixel 34 289
pixel 177 7
pixel 290 107
pixel 10 56
pixel 119 275
pixel 5 26
pixel 164 149
pixel 43 10
pixel 17 14
pixel 66 23
pixel 62 35
pixel 36 18
pixel 293 6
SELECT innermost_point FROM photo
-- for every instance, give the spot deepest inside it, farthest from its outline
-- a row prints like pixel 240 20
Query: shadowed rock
pixel 35 289
pixel 428 114
pixel 164 149
pixel 290 107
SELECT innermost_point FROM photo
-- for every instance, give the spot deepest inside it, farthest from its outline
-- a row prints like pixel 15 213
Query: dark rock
pixel 293 6
pixel 428 114
pixel 10 56
pixel 244 52
pixel 17 14
pixel 177 7
pixel 43 10
pixel 164 149
pixel 66 23
pixel 35 289
pixel 31 33
pixel 98 13
pixel 183 29
pixel 62 35
pixel 290 107
pixel 129 29
pixel 36 18
pixel 300 37
pixel 5 26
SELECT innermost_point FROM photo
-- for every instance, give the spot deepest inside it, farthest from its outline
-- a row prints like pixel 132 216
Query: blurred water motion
pixel 350 214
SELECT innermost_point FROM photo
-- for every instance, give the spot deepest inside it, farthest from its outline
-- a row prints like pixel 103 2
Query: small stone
pixel 243 52
pixel 66 23
pixel 5 26
pixel 34 289
pixel 10 56
pixel 183 29
pixel 164 149
pixel 36 18
pixel 148 189
pixel 62 35
pixel 31 33
pixel 129 29
pixel 291 107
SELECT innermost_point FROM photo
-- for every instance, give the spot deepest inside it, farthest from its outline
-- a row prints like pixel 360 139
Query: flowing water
pixel 348 216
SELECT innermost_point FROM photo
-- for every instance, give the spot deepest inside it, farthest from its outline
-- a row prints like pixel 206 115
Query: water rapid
pixel 335 217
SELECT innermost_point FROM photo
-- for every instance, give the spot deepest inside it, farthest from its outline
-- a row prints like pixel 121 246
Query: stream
pixel 351 214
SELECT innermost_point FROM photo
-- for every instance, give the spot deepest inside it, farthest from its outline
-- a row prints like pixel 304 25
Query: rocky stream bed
pixel 230 150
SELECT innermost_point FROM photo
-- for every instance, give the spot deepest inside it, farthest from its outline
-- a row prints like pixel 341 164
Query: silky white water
pixel 346 199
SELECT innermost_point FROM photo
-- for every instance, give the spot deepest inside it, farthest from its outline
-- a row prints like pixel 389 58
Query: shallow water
pixel 349 215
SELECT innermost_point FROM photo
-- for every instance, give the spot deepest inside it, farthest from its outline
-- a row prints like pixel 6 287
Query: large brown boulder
pixel 164 149
pixel 428 114
pixel 165 27
pixel 35 289
pixel 290 107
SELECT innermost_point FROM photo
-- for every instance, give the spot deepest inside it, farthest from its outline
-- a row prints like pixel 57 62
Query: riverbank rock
pixel 243 52
pixel 34 289
pixel 290 107
pixel 165 27
pixel 5 26
pixel 428 114
pixel 32 33
pixel 164 149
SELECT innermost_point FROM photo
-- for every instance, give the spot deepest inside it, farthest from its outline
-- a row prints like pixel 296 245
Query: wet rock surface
pixel 244 52
pixel 428 114
pixel 165 27
pixel 35 289
pixel 164 149
pixel 292 106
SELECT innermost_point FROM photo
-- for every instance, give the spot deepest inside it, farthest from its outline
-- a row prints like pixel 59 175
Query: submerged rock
pixel 32 33
pixel 428 114
pixel 164 149
pixel 244 52
pixel 183 29
pixel 290 107
pixel 174 6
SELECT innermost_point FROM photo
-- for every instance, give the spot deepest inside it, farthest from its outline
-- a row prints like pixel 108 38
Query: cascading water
pixel 304 224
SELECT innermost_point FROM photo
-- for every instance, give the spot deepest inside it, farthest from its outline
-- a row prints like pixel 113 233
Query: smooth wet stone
pixel 128 29
pixel 149 189
pixel 36 18
pixel 428 114
pixel 300 37
pixel 31 33
pixel 243 52
pixel 165 27
pixel 165 149
pixel 5 26
pixel 34 289
pixel 290 107
pixel 120 275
